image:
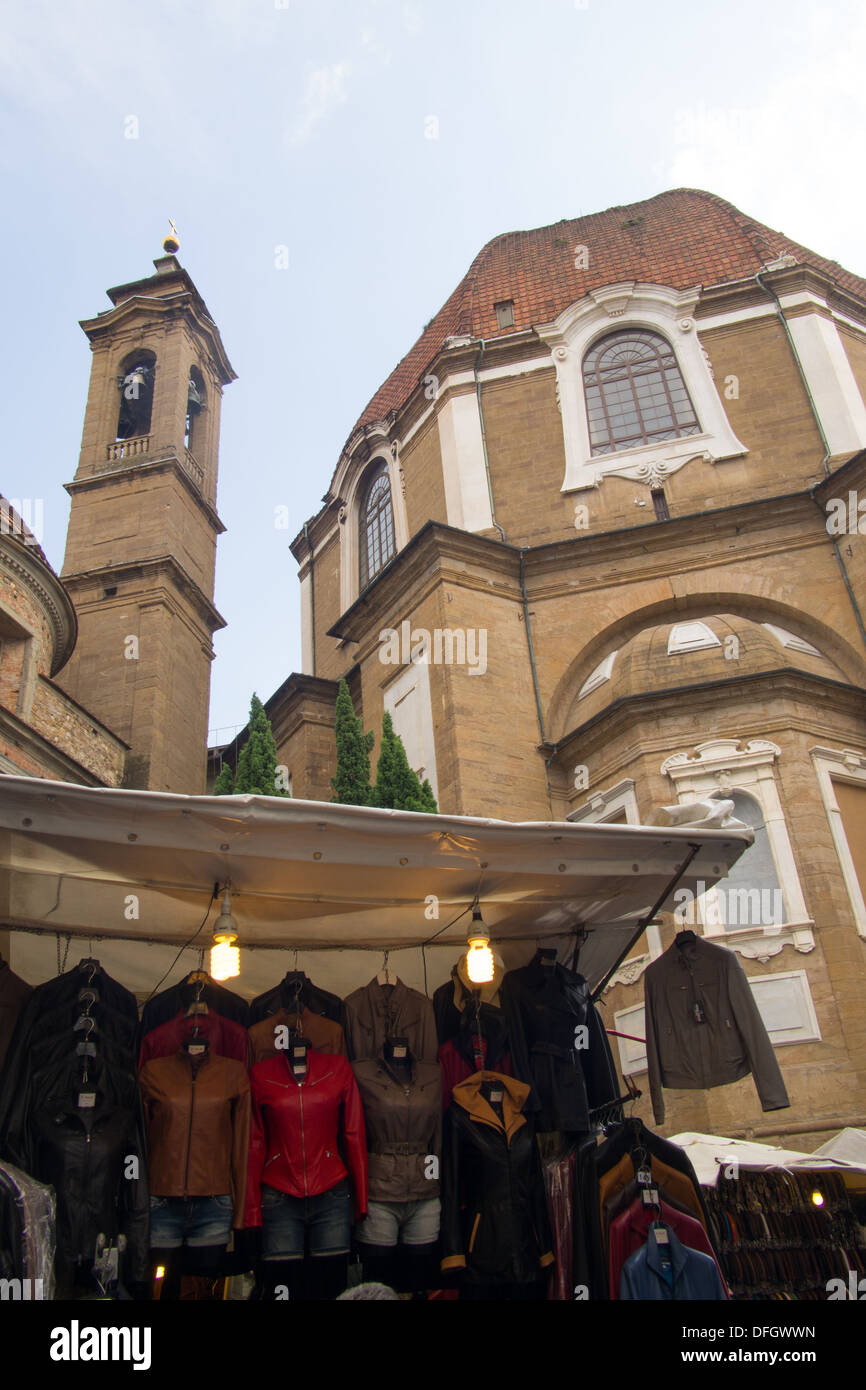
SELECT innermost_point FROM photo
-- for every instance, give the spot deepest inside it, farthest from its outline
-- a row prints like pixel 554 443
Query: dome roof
pixel 682 238
pixel 693 651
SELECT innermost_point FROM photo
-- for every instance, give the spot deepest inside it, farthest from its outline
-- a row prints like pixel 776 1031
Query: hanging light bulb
pixel 818 1198
pixel 225 956
pixel 479 958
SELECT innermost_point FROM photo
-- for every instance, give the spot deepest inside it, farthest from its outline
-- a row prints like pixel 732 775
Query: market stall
pixel 131 887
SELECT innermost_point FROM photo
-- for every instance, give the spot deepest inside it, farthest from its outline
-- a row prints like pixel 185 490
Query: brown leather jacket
pixel 375 1012
pixel 703 1027
pixel 197 1112
pixel 404 1130
pixel 325 1035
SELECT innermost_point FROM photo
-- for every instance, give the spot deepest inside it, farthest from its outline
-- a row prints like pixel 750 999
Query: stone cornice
pixel 168 461
pixel 427 548
pixel 28 569
pixel 154 306
pixel 154 565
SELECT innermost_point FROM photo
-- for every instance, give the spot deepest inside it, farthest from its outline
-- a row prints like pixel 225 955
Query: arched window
pixel 195 404
pixel 635 393
pixel 751 895
pixel 376 525
pixel 135 384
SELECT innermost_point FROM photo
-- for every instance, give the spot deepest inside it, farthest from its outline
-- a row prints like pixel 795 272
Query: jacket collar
pixel 468 1096
pixel 384 1003
pixel 654 1257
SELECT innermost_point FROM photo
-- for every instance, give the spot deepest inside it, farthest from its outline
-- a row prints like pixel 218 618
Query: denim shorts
pixel 288 1222
pixel 194 1221
pixel 412 1223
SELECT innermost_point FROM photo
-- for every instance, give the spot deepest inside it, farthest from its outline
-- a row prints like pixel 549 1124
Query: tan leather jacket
pixel 197 1112
pixel 703 1027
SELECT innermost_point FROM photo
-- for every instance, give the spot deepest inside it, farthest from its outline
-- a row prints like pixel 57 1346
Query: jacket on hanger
pixel 224 1037
pixel 177 998
pixel 690 1275
pixel 494 1217
pixel 375 1012
pixel 324 1034
pixel 544 1005
pixel 703 1027
pixel 403 1121
pixel 451 999
pixel 601 1171
pixel 197 1110
pixel 297 1130
pixel 630 1230
pixel 457 1056
pixel 318 1001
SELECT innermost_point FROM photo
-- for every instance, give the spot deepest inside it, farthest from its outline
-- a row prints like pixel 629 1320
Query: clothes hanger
pixel 386 976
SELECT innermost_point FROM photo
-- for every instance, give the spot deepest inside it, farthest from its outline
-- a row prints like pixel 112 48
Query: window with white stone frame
pixel 759 907
pixel 679 414
pixel 841 776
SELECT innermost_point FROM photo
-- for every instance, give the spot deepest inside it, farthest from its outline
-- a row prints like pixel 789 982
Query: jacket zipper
pixel 189 1133
pixel 303 1141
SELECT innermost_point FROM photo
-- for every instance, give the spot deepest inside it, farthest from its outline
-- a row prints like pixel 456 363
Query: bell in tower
pixel 143 526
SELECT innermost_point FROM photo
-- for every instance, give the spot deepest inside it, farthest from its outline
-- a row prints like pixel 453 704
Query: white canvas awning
pixel 141 866
pixel 710 1153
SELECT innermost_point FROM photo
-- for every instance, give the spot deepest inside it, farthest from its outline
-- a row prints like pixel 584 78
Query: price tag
pixel 86 1100
pixel 644 1177
pixel 400 1051
pixel 661 1235
pixel 651 1197
pixel 300 1052
pixel 496 1097
pixel 196 1049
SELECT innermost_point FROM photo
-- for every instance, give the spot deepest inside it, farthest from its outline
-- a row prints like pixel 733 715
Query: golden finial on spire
pixel 171 244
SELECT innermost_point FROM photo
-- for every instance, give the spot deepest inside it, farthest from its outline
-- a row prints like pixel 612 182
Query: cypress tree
pixel 352 782
pixel 225 782
pixel 397 786
pixel 257 764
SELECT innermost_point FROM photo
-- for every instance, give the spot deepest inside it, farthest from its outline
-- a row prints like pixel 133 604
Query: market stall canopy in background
pixel 309 874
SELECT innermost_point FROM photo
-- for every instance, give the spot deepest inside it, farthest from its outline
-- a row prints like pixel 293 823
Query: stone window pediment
pixel 677 397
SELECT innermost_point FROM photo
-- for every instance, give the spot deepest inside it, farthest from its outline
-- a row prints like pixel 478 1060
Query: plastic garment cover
pixel 559 1187
pixel 27 1223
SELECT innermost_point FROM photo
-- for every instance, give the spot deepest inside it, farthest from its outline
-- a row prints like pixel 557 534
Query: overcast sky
pixel 258 124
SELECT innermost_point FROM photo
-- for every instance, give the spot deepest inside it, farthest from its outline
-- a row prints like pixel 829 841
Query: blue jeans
pixel 194 1221
pixel 286 1222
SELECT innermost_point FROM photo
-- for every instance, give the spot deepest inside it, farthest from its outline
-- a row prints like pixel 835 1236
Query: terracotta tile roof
pixel 682 238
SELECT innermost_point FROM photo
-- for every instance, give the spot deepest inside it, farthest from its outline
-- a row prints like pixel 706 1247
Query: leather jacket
pixel 84 1152
pixel 323 1033
pixel 494 1220
pixel 198 1126
pixel 694 1276
pixel 297 1129
pixel 376 1012
pixel 403 1121
pixel 702 981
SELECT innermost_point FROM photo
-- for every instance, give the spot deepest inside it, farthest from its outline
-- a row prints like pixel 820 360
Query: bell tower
pixel 141 544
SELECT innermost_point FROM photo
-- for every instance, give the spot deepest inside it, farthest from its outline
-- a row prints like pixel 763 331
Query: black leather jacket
pixel 494 1217
pixel 544 1005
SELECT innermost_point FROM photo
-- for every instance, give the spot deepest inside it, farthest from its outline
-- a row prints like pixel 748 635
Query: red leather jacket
pixel 295 1131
